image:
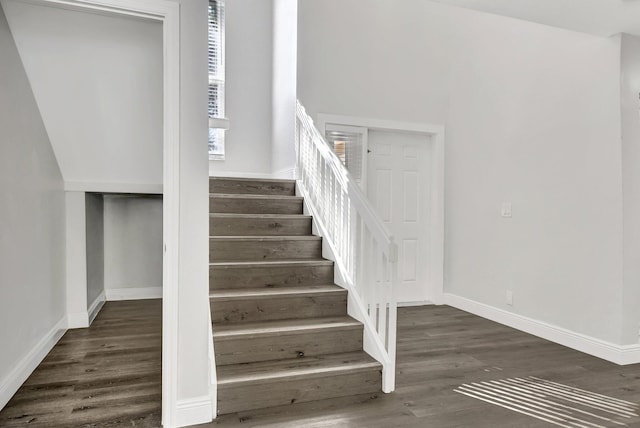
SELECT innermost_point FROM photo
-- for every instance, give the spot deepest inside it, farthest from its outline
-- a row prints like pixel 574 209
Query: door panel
pixel 399 189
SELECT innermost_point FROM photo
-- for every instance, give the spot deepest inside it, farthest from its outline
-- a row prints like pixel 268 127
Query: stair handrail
pixel 364 251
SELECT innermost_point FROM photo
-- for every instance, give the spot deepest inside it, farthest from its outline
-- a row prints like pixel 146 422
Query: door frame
pixel 436 225
pixel 168 13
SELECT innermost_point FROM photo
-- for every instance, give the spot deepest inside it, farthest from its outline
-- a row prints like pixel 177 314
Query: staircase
pixel 280 326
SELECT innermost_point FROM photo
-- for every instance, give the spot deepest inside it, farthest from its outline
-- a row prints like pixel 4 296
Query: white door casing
pixel 168 13
pixel 432 171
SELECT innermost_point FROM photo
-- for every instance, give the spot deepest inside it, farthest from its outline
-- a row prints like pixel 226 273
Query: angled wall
pixel 32 228
pixel 97 80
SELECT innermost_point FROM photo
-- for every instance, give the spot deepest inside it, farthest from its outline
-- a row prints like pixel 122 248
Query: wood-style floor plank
pixel 108 375
pixel 439 348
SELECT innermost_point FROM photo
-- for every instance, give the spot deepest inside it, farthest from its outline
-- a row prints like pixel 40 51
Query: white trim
pixel 436 232
pixel 412 304
pixel 140 293
pixel 21 371
pixel 630 354
pixel 96 306
pixel 84 319
pixel 97 187
pixel 231 174
pixel 213 374
pixel 77 320
pixel 193 411
pixel 285 173
pixel 617 354
pixel 379 124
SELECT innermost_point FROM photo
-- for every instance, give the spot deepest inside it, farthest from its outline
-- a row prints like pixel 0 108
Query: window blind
pixel 216 76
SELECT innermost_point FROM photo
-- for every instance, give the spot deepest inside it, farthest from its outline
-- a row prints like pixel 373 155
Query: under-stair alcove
pixel 132 246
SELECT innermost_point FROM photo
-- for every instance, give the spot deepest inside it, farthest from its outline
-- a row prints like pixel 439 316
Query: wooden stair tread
pixel 280 327
pixel 258 293
pixel 266 238
pixel 272 263
pixel 322 365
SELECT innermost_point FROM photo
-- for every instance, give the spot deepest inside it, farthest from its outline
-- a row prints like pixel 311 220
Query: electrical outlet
pixel 506 209
pixel 509 297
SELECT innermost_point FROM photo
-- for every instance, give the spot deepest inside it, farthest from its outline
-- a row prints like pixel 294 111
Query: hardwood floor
pixel 439 349
pixel 109 376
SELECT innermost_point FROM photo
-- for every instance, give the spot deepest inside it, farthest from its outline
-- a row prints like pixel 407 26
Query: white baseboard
pixel 96 306
pixel 285 173
pixel 114 294
pixel 232 174
pixel 84 319
pixel 617 354
pixel 630 355
pixel 23 369
pixel 78 320
pixel 193 411
pixel 412 304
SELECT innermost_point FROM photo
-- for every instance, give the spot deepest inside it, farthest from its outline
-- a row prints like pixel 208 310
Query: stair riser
pixel 222 226
pixel 278 308
pixel 251 206
pixel 284 188
pixel 277 347
pixel 237 250
pixel 269 276
pixel 283 392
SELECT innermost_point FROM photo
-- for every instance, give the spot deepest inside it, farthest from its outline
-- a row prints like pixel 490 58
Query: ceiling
pixel 598 17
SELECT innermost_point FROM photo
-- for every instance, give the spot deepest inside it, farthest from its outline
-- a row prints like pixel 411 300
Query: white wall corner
pixel 96 306
pixel 84 319
pixel 193 411
pixel 617 354
pixel 78 320
pixel 142 293
pixel 23 369
pixel 630 355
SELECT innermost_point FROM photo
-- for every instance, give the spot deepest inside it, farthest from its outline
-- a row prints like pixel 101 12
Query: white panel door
pixel 399 189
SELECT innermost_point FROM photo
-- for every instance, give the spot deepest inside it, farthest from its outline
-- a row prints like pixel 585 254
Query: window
pixel 216 78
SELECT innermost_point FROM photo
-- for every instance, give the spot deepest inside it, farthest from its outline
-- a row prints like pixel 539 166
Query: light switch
pixel 506 209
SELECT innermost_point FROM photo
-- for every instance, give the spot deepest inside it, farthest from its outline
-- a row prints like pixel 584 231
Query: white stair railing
pixel 363 250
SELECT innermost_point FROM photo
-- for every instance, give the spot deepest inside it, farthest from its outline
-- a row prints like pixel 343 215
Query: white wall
pixel 249 49
pixel 132 242
pixel 285 33
pixel 630 93
pixel 94 209
pixel 193 311
pixel 532 117
pixel 98 83
pixel 32 224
